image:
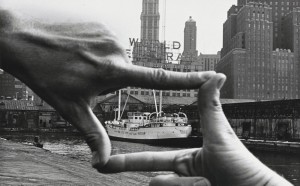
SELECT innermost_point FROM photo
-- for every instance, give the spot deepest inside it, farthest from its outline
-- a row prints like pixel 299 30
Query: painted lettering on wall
pixel 155 50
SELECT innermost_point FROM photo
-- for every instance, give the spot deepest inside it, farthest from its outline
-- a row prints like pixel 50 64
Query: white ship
pixel 148 127
pixel 145 126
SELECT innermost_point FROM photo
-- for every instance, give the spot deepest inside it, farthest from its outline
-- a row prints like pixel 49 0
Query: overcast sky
pixel 123 17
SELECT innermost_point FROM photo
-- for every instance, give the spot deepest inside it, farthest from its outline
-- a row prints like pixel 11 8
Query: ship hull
pixel 167 136
pixel 189 142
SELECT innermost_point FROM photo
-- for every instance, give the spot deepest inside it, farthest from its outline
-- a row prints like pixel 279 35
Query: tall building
pixel 150 20
pixel 11 88
pixel 190 52
pixel 260 50
pixel 280 8
pixel 149 48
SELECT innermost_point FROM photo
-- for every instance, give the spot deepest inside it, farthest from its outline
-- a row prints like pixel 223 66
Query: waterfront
pixel 75 147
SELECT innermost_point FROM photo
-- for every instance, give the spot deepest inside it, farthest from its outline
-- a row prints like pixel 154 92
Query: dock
pixel 23 164
pixel 272 146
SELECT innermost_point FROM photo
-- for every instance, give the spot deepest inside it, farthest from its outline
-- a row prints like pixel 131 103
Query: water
pixel 75 147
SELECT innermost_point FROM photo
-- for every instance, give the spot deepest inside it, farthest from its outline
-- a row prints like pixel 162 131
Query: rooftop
pixel 24 105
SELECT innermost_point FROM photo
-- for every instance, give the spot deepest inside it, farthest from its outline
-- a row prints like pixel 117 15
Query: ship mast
pixel 119 106
pixel 164 41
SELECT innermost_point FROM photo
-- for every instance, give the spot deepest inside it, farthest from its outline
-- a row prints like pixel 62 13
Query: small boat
pixel 37 143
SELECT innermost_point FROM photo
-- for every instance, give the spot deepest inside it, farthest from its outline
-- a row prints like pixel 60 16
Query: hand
pixel 223 159
pixel 68 64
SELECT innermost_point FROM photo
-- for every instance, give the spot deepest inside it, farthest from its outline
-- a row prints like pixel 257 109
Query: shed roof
pixel 230 101
pixel 149 99
pixel 167 100
pixel 24 105
pixel 114 98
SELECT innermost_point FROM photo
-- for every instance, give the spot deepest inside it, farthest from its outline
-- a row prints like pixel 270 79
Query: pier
pixel 28 165
pixel 259 120
pixel 273 146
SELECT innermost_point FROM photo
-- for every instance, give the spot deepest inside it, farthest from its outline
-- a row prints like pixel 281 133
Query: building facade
pixel 190 52
pixel 149 48
pixel 11 87
pixel 150 20
pixel 259 57
pixel 280 8
pixel 208 61
pixel 149 51
pixel 29 114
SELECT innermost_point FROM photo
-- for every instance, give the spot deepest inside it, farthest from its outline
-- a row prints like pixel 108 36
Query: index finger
pixel 143 161
pixel 158 78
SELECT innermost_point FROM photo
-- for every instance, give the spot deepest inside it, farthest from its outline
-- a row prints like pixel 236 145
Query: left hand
pixel 69 64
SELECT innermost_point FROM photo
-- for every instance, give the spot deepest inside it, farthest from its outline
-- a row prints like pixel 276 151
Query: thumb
pixel 175 180
pixel 214 123
pixel 209 94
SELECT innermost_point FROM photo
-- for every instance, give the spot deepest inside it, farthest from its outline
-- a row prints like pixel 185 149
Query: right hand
pixel 223 159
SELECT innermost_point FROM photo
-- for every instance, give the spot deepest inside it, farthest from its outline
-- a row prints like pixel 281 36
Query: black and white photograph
pixel 150 92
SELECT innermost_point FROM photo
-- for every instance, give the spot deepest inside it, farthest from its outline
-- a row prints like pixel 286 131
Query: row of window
pixel 263 95
pixel 282 3
pixel 174 94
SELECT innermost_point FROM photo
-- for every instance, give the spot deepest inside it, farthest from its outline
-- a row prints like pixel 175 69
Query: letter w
pixel 132 41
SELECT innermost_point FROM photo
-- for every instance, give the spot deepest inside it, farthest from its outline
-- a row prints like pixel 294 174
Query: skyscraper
pixel 280 8
pixel 260 54
pixel 190 52
pixel 149 48
pixel 150 20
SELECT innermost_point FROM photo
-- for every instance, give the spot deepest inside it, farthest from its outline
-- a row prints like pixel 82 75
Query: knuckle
pixel 182 164
pixel 99 163
pixel 160 75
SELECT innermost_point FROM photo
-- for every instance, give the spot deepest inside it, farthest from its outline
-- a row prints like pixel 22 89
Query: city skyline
pixel 123 17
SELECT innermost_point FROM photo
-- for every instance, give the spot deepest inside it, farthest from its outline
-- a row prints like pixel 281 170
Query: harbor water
pixel 75 147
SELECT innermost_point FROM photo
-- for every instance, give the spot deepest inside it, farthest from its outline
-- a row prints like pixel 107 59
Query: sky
pixel 123 17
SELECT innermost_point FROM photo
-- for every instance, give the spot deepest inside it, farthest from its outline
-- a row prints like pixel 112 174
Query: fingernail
pixel 210 74
pixel 220 83
pixel 202 182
